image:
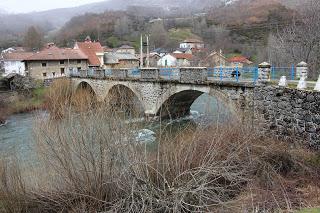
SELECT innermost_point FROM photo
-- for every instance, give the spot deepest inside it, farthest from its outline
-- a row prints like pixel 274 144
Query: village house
pixel 194 44
pixel 215 59
pixel 126 49
pixel 12 62
pixel 54 62
pixel 93 50
pixel 120 60
pixel 183 50
pixel 160 51
pixel 175 60
pixel 239 61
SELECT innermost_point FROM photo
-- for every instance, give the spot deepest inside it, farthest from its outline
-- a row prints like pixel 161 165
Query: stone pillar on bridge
pixel 264 71
pixel 302 70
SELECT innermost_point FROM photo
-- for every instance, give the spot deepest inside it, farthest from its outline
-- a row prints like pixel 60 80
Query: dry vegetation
pixel 91 162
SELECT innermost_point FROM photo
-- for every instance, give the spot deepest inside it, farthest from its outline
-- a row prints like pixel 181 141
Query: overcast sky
pixel 23 6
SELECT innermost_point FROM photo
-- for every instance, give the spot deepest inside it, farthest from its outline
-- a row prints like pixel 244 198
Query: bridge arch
pixel 177 100
pixel 124 96
pixel 86 85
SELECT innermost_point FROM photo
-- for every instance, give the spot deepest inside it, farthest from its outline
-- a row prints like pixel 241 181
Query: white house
pixel 192 44
pixel 167 61
pixel 12 62
pixel 175 60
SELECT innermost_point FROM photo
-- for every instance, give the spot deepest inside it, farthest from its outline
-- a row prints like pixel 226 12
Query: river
pixel 16 136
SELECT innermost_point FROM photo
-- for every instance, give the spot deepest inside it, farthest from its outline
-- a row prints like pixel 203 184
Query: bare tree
pixel 301 40
pixel 33 39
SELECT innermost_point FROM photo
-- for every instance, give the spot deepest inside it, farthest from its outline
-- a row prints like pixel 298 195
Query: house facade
pixel 126 49
pixel 215 59
pixel 12 62
pixel 116 60
pixel 175 60
pixel 55 62
pixel 192 44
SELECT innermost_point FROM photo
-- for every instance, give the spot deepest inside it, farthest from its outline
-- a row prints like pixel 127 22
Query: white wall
pixel 167 61
pixel 14 67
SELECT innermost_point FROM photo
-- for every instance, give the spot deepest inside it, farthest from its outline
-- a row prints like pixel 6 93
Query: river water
pixel 16 136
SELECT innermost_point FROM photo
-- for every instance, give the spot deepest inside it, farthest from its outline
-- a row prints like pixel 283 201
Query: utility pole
pixel 141 52
pixel 148 52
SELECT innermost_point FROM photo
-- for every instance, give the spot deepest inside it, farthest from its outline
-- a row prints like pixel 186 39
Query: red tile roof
pixel 182 56
pixel 55 54
pixel 17 56
pixel 239 59
pixel 91 49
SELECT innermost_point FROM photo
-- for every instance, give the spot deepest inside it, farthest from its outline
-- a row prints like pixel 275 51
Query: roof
pixel 17 56
pixel 239 59
pixel 182 56
pixel 55 54
pixel 114 58
pixel 90 49
pixel 216 53
pixel 192 40
pixel 160 50
pixel 126 47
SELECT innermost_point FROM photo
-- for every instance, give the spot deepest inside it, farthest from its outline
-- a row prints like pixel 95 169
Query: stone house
pixel 55 62
pixel 215 59
pixel 120 60
pixel 12 62
pixel 126 49
pixel 192 44
pixel 93 50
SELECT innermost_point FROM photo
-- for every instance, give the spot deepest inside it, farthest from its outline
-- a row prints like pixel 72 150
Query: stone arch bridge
pixel 286 113
pixel 173 97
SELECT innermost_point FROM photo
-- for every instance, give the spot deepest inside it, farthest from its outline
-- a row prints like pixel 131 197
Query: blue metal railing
pixel 233 73
pixel 278 72
pixel 244 74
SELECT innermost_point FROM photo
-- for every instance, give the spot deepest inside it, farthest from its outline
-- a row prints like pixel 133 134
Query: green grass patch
pixel 312 210
pixel 181 34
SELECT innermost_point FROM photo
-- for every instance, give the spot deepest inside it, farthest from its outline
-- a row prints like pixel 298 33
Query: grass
pixel 311 210
pixel 181 34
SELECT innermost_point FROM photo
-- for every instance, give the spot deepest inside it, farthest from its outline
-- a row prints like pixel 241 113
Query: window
pixel 62 62
pixel 44 64
pixel 44 74
pixel 62 71
pixel 79 61
pixel 53 74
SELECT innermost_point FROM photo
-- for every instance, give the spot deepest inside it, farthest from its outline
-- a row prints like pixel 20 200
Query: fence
pixel 243 74
pixel 233 73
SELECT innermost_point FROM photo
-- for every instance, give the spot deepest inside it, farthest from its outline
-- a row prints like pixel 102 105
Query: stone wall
pixel 193 75
pixel 149 74
pixel 38 71
pixel 288 114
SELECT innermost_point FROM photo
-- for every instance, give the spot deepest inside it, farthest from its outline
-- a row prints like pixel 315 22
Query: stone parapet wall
pixel 149 74
pixel 288 114
pixel 193 75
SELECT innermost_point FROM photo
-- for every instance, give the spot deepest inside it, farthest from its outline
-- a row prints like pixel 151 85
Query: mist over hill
pixel 13 26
